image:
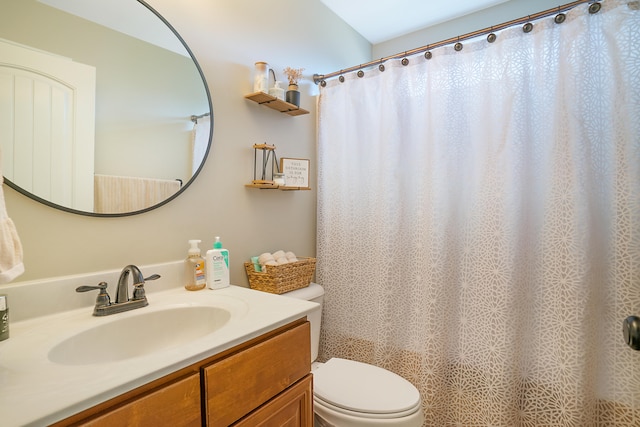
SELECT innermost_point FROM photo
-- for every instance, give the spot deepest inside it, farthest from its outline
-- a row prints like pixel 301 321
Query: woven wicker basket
pixel 282 278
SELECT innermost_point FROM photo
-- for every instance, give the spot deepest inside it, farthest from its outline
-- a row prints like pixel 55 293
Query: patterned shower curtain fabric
pixel 479 223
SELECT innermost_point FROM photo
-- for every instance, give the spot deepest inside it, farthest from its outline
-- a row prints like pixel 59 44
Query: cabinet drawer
pixel 177 404
pixel 293 408
pixel 241 382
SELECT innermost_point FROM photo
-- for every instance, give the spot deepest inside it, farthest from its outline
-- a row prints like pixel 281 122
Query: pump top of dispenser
pixel 194 249
pixel 217 244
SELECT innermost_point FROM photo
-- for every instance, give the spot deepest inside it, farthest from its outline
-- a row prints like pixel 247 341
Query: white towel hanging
pixel 11 265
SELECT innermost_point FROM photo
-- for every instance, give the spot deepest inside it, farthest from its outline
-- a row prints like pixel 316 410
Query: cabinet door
pixel 240 383
pixel 177 404
pixel 292 408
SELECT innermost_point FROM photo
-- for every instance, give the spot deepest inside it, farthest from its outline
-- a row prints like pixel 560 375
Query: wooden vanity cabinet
pixel 265 381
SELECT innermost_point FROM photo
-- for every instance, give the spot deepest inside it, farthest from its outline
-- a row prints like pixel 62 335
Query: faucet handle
pixel 138 288
pixel 102 299
pixel 138 291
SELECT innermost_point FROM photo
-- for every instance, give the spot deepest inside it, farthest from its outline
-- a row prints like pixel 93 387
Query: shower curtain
pixel 479 222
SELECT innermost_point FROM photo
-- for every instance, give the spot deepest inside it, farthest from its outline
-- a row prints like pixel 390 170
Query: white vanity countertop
pixel 35 391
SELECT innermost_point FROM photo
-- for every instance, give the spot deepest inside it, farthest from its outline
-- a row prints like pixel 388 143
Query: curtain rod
pixel 195 118
pixel 593 8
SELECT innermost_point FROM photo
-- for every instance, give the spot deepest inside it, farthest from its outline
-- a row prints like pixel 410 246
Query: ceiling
pixel 382 20
pixel 376 20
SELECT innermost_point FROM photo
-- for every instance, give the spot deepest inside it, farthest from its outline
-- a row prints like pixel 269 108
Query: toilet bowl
pixel 347 393
pixel 353 394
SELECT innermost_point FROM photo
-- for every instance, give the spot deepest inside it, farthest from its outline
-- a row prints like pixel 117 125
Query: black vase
pixel 293 97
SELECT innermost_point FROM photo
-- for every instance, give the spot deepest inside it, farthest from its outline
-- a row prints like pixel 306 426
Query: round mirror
pixel 104 111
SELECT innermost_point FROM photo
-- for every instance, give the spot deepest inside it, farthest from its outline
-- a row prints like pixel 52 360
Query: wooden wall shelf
pixel 267 186
pixel 276 104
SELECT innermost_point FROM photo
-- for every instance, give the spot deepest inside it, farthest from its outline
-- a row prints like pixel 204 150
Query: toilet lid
pixel 360 387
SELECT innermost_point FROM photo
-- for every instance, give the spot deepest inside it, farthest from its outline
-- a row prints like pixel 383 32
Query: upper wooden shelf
pixel 276 104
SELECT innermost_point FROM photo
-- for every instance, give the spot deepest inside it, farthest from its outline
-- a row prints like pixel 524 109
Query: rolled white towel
pixel 265 257
pixel 290 255
pixel 278 254
pixel 282 260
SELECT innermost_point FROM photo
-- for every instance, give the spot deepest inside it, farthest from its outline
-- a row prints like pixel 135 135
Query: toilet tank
pixel 314 293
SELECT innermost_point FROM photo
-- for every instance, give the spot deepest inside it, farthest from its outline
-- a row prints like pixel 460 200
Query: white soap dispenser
pixel 277 91
pixel 217 266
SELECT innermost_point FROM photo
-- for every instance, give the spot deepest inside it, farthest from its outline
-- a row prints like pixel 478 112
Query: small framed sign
pixel 296 172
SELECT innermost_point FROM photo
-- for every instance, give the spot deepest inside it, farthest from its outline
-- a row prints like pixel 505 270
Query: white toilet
pixel 347 393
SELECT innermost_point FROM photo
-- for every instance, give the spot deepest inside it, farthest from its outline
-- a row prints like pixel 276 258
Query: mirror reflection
pixel 103 111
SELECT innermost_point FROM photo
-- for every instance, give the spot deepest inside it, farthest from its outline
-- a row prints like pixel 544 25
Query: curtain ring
pixel 528 26
pixel 341 78
pixel 381 66
pixel 428 54
pixel 323 83
pixel 491 37
pixel 594 7
pixel 458 46
pixel 405 61
pixel 560 17
pixel 360 73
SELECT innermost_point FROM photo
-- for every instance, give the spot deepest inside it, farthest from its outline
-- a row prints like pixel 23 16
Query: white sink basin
pixel 139 335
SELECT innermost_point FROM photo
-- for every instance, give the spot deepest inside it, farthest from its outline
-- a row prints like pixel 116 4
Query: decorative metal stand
pixel 267 166
pixel 269 173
